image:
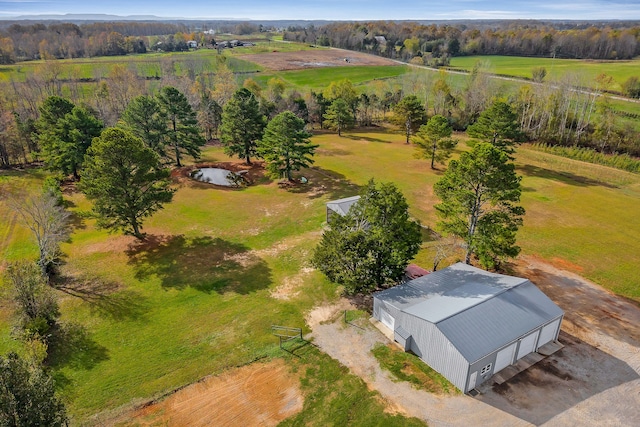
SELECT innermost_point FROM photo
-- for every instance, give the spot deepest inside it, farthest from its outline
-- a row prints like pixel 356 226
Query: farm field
pixel 556 67
pixel 147 65
pixel 220 266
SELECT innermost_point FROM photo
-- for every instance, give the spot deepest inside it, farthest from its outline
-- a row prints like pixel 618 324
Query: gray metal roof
pixel 446 292
pixel 477 311
pixel 342 206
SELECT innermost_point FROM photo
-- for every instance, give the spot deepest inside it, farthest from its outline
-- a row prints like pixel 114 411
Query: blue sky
pixel 336 9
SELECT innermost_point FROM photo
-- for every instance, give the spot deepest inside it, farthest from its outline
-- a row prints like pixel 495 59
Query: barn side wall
pixel 428 343
pixel 378 304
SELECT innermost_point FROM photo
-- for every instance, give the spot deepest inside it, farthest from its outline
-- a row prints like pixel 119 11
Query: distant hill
pixel 75 17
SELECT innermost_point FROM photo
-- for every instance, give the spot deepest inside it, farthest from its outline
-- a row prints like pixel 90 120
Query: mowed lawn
pixel 199 297
pixel 577 213
pixel 221 266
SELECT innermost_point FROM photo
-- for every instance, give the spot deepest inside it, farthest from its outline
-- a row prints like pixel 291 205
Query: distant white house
pixel 381 39
pixel 468 324
pixel 192 44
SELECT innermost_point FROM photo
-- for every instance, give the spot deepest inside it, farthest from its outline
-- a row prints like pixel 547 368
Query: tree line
pixel 19 42
pixel 406 40
pixel 551 112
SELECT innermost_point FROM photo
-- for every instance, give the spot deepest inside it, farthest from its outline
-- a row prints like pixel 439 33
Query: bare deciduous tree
pixel 445 248
pixel 48 221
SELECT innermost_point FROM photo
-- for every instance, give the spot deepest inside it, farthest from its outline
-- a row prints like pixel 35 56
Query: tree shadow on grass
pixel 365 138
pixel 564 177
pixel 72 345
pixel 323 182
pixel 107 299
pixel 203 263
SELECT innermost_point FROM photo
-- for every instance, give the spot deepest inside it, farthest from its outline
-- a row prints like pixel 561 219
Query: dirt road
pixel 594 380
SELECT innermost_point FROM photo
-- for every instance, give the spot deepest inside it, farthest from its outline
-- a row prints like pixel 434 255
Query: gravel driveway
pixel 594 380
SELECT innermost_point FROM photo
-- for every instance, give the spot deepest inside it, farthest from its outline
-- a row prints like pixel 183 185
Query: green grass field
pixel 586 70
pixel 319 78
pixel 196 299
pixel 148 65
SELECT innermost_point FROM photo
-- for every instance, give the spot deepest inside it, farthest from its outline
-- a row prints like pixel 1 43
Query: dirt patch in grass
pixel 315 58
pixel 290 287
pixel 261 394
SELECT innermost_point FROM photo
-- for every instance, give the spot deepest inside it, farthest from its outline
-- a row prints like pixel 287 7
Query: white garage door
pixel 527 345
pixel 387 319
pixel 548 333
pixel 504 357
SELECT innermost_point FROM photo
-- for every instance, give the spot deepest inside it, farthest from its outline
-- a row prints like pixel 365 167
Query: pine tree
pixel 371 245
pixel 479 193
pixel 145 118
pixel 285 145
pixel 338 116
pixel 434 139
pixel 410 114
pixel 27 395
pixel 125 180
pixel 242 125
pixel 183 132
pixel 65 132
pixel 498 125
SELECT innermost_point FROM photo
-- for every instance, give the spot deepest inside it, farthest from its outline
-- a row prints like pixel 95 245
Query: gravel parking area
pixel 593 380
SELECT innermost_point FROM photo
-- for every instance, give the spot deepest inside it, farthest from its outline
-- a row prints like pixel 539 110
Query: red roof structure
pixel 414 271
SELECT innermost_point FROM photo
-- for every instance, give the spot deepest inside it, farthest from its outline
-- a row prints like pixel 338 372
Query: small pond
pixel 218 176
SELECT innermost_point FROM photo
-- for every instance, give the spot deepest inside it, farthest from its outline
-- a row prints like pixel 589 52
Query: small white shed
pixel 340 206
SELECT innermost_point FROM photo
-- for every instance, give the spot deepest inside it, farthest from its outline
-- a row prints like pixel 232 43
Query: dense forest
pixel 406 40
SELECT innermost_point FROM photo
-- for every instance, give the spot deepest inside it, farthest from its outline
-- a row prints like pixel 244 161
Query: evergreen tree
pixel 479 193
pixel 125 180
pixel 65 134
pixel 338 116
pixel 410 114
pixel 242 125
pixel 145 118
pixel 498 125
pixel 285 145
pixel 434 140
pixel 371 245
pixel 183 132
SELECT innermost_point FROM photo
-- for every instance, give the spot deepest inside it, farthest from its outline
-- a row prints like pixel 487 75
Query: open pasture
pixel 557 68
pixel 150 65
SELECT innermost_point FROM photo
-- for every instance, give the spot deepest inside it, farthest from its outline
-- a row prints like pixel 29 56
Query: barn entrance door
pixel 387 319
pixel 527 344
pixel 472 381
pixel 504 357
pixel 548 333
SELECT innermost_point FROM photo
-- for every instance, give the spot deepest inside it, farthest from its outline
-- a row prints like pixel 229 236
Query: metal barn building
pixel 467 323
pixel 340 207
